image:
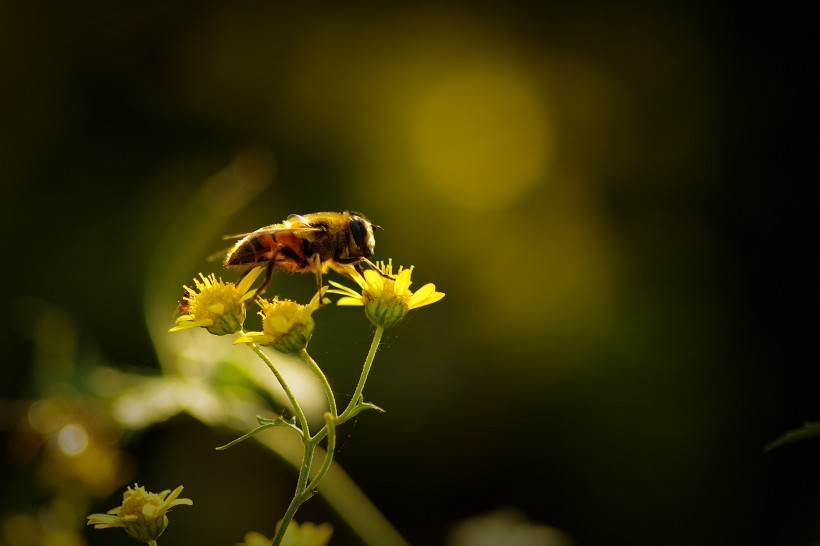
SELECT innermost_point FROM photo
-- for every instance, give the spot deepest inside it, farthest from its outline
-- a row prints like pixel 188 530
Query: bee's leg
pixel 358 267
pixel 317 270
pixel 269 270
pixel 266 281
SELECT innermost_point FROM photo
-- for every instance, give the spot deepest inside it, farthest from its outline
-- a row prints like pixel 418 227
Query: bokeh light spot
pixel 482 138
pixel 45 416
pixel 72 439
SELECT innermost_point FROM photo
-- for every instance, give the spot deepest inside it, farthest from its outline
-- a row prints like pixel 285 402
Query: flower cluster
pixel 287 326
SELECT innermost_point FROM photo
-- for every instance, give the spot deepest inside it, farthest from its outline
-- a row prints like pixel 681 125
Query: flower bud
pixel 385 313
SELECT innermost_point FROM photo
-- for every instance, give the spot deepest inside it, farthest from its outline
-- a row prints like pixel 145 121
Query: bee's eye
pixel 359 232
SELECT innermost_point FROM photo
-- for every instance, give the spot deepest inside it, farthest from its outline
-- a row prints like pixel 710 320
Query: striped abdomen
pixel 261 246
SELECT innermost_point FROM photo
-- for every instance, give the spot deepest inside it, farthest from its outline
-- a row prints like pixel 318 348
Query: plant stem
pixel 330 427
pixel 330 419
pixel 300 415
pixel 299 496
pixel 317 371
pixel 357 395
pixel 304 490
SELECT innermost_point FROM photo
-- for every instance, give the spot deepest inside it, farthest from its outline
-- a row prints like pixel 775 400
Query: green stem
pixel 152 543
pixel 299 496
pixel 317 371
pixel 357 395
pixel 304 490
pixel 330 427
pixel 330 419
pixel 339 491
pixel 300 415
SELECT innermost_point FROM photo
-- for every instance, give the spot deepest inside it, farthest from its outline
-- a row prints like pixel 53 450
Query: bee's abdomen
pixel 283 247
pixel 253 249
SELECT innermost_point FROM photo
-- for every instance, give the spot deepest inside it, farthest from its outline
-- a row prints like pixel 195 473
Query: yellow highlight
pixel 482 138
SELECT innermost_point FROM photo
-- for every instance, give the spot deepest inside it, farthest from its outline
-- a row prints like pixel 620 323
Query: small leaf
pixel 368 405
pixel 362 406
pixel 264 423
pixel 258 429
pixel 810 429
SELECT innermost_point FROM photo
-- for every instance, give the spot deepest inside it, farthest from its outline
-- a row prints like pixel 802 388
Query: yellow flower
pixel 286 325
pixel 306 534
pixel 141 514
pixel 217 306
pixel 386 299
pixel 252 538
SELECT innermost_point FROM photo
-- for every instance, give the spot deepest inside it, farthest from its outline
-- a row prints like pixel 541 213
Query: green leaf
pixel 264 423
pixel 810 429
pixel 362 406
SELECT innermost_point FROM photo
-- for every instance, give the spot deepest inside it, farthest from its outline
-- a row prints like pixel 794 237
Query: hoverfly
pixel 305 243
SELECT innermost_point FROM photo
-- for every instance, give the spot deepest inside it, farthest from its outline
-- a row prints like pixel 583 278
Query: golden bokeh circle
pixel 481 138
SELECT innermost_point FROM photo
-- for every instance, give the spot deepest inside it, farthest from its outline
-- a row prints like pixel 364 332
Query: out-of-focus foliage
pixel 610 195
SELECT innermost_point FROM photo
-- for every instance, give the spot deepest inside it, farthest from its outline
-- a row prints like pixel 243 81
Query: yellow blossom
pixel 215 305
pixel 386 298
pixel 141 514
pixel 286 325
pixel 306 534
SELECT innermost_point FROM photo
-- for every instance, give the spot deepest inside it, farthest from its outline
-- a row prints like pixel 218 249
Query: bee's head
pixel 361 240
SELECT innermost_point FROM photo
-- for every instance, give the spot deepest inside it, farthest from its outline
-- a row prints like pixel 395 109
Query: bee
pixel 312 242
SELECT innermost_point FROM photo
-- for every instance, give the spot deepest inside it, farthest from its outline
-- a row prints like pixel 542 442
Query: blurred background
pixel 618 199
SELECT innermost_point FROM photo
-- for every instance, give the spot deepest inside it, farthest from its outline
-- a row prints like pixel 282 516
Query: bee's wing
pixel 234 236
pixel 275 228
pixel 272 230
pixel 219 255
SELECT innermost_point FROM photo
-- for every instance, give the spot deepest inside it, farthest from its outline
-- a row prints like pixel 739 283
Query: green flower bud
pixel 385 313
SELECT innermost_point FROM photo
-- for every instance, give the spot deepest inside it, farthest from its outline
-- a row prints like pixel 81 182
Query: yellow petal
pixel 352 273
pixel 248 280
pixel 375 284
pixel 425 296
pixel 347 294
pixel 192 324
pixel 349 300
pixel 314 301
pixel 252 337
pixel 402 281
